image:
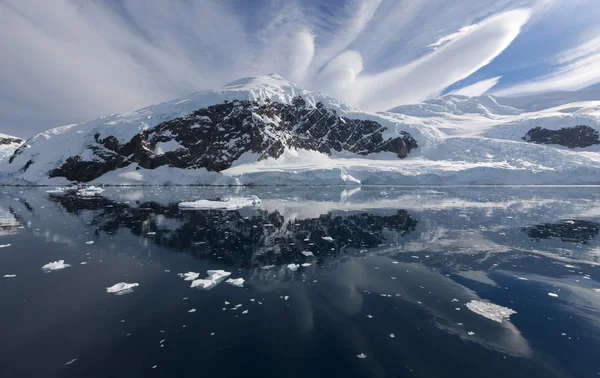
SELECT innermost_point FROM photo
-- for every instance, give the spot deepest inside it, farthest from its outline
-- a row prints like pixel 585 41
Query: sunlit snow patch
pixel 491 311
pixel 121 288
pixel 239 282
pixel 214 278
pixel 226 204
pixel 55 265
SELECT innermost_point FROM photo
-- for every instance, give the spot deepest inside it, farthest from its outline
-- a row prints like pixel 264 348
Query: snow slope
pixel 462 140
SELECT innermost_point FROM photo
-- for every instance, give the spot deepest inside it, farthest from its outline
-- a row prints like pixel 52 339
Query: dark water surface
pixel 392 284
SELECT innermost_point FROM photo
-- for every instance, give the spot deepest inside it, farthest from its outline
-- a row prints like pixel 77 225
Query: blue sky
pixel 69 61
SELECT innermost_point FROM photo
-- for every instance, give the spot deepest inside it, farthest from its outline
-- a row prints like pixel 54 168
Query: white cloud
pixel 578 67
pixel 477 89
pixel 451 37
pixel 429 75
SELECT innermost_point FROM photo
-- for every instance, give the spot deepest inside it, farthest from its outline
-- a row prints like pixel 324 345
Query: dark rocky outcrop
pixel 216 136
pixel 6 140
pixel 571 137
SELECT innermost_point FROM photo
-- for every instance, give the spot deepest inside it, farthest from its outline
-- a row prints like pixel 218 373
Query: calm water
pixel 391 285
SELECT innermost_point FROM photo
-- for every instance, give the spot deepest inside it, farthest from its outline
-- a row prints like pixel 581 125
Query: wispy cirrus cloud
pixel 67 61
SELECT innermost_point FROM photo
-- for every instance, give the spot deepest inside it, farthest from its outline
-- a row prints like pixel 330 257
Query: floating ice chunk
pixel 10 275
pixel 597 291
pixel 570 266
pixel 522 279
pixel 151 233
pixel 308 254
pixel 192 310
pixel 306 265
pixel 57 190
pixel 239 282
pixel 361 356
pixel 214 278
pixel 553 295
pixel 55 265
pixel 490 310
pixel 244 312
pixel 83 263
pixel 89 191
pixel 267 267
pixel 70 362
pixel 327 238
pixel 121 288
pixel 189 276
pixel 89 242
pixel 470 333
pixel 392 335
pixel 370 316
pixel 293 267
pixel 227 204
pixel 5 245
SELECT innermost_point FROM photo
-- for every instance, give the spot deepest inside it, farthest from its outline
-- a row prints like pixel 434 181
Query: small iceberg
pixel 55 265
pixel 189 276
pixel 214 278
pixel 308 254
pixel 10 275
pixel 491 311
pixel 5 245
pixel 121 288
pixel 89 191
pixel 554 295
pixel 327 238
pixel 293 267
pixel 239 282
pixel 227 204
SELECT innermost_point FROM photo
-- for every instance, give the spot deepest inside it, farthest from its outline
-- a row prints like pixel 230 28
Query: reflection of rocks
pixel 249 237
pixel 572 231
pixel 576 136
pixel 8 222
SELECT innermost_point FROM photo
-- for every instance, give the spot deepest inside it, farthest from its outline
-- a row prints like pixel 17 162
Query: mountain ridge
pixel 448 140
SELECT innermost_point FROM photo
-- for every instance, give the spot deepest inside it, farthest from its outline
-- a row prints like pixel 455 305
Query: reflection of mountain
pixel 248 237
pixel 8 222
pixel 573 231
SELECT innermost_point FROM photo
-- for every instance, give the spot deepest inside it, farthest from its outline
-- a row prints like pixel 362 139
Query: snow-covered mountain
pixel 266 130
pixel 8 145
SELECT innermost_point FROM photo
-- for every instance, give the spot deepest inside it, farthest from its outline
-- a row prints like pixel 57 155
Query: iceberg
pixel 239 282
pixel 490 310
pixel 227 204
pixel 214 278
pixel 189 276
pixel 55 265
pixel 121 288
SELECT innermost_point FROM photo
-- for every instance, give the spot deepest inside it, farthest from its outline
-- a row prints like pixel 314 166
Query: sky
pixel 67 62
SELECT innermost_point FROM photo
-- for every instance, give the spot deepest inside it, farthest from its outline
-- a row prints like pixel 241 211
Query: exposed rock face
pixel 8 140
pixel 216 136
pixel 571 137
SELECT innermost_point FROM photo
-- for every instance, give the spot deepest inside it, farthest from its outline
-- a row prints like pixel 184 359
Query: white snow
pixel 239 282
pixel 55 265
pixel 214 277
pixel 227 204
pixel 7 150
pixel 189 276
pixel 491 311
pixel 121 288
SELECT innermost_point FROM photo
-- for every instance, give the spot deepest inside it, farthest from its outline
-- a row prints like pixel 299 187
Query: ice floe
pixel 239 282
pixel 213 279
pixel 55 265
pixel 293 267
pixel 361 356
pixel 226 204
pixel 5 245
pixel 89 242
pixel 554 295
pixel 491 311
pixel 10 275
pixel 327 238
pixel 121 288
pixel 307 253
